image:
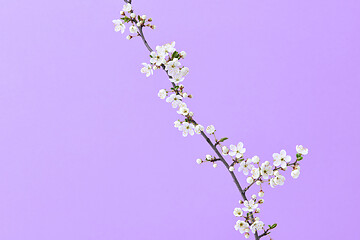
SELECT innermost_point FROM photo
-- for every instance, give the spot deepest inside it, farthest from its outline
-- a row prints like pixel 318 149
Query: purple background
pixel 88 151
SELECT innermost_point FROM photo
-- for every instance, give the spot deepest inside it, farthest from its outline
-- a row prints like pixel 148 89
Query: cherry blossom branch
pixel 167 58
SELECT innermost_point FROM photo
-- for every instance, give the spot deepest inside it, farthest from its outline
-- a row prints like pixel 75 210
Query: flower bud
pixel 261 201
pixel 253 196
pixel 185 95
pixel 183 54
pixel 133 15
pixel 143 17
pixel 150 19
pixel 122 13
pixel 198 161
pixel 267 163
pixel 208 157
pixel 214 165
pixel 257 219
pixel 257 210
pixel 247 235
pixel 225 150
pixel 139 24
pixel 258 183
pixel 261 193
pixel 231 168
pixel 255 159
pixel 295 173
pixel 152 26
pixel 249 180
pixel 128 37
pixel 241 201
pixel 191 114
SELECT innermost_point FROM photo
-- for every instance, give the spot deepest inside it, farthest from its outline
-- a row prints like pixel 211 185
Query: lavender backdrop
pixel 88 151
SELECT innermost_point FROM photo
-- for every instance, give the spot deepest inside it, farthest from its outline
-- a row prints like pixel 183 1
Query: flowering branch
pixel 167 58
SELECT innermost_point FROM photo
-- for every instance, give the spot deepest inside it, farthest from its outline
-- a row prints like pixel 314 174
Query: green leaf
pixel 175 55
pixel 223 139
pixel 273 226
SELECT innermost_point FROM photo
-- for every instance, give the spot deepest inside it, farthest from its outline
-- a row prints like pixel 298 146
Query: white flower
pixel 208 157
pixel 256 226
pixel 231 168
pixel 133 29
pixel 199 128
pixel 295 173
pixel 302 150
pixel 162 94
pixel 147 69
pixel 132 15
pixel 277 180
pixel 187 128
pixel 210 129
pixel 119 25
pixel 177 78
pixel 266 170
pixel 281 159
pixel 177 124
pixel 183 110
pixel 245 166
pixel 157 58
pixel 225 150
pixel 250 206
pixel 184 71
pixel 170 47
pixel 241 226
pixel 174 99
pixel 143 17
pixel 238 150
pixel 161 51
pixel 127 7
pixel 173 67
pixel 255 173
pixel 255 159
pixel 238 212
pixel 198 161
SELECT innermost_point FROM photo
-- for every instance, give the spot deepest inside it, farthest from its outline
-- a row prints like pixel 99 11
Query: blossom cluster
pixel 127 15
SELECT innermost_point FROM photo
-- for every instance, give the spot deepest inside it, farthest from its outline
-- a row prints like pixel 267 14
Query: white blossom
pixel 250 206
pixel 266 170
pixel 255 172
pixel 241 226
pixel 199 128
pixel 302 150
pixel 245 166
pixel 162 94
pixel 176 78
pixel 170 47
pixel 183 110
pixel 255 159
pixel 184 71
pixel 173 67
pixel 147 69
pixel 238 150
pixel 256 226
pixel 133 29
pixel 177 124
pixel 119 25
pixel 208 157
pixel 281 159
pixel 278 179
pixel 198 161
pixel 127 7
pixel 133 15
pixel 157 58
pixel 174 99
pixel 210 129
pixel 295 173
pixel 187 128
pixel 238 212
